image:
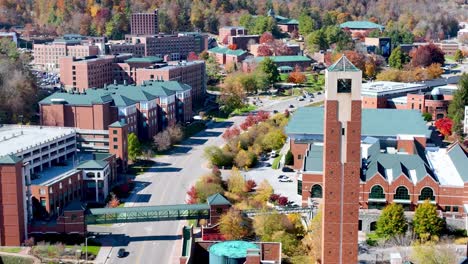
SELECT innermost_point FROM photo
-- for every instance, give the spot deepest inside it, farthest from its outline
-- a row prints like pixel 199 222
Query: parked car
pixel 273 154
pixel 282 177
pixel 300 98
pixel 121 253
pixel 319 93
pixel 287 179
pixel 287 169
pixel 267 164
pixel 275 111
pixel 291 106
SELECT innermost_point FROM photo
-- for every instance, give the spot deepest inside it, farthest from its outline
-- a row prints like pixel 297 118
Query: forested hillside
pixel 425 18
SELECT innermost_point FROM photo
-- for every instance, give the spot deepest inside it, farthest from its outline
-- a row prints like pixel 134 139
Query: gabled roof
pixel 288 21
pixel 9 159
pixel 224 50
pixel 361 25
pixel 93 164
pixel 314 159
pixel 122 101
pixel 375 122
pixel 342 65
pixel 217 199
pixel 460 160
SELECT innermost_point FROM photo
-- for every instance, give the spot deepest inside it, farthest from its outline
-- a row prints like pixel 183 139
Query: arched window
pixel 90 175
pixel 401 193
pixel 377 192
pixel 427 193
pixel 316 191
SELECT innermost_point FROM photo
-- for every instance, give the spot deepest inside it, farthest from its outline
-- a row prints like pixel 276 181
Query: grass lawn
pixel 92 249
pixel 315 104
pixel 10 249
pixel 243 110
pixel 140 167
pixel 276 162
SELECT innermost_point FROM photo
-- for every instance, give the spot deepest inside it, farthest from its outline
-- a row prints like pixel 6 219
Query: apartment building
pixel 96 72
pixel 45 169
pixel 146 108
pixel 228 31
pixel 144 23
pixel 137 50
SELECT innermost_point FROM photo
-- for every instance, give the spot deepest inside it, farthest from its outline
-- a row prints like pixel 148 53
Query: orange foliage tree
pixel 444 125
pixel 297 76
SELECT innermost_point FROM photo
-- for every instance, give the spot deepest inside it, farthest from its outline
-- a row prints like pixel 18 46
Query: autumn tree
pixel 266 38
pixel 426 221
pixel 233 225
pixel 114 201
pixel 245 159
pixel 312 241
pixel 425 55
pixel 392 222
pixel 265 225
pixel 134 147
pixel 297 77
pixel 217 156
pixel 232 46
pixel 264 191
pixel 444 125
pixel 176 133
pixel 433 253
pixel 162 141
pixel 232 94
pixel 434 71
pixel 274 140
pixel 456 110
pixel 192 56
pixel 206 186
pixel 458 57
pixel 264 50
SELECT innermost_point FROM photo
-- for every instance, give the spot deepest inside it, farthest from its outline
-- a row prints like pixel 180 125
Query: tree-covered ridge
pixel 425 18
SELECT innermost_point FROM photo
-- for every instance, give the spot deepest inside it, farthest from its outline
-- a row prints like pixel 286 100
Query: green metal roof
pixel 232 249
pixel 343 64
pixel 375 122
pixel 103 211
pixel 361 25
pixel 314 159
pixel 288 21
pixel 92 165
pixel 150 59
pixel 217 199
pixel 117 124
pixel 460 160
pixel 120 95
pixel 224 50
pixel 9 159
pixel 277 59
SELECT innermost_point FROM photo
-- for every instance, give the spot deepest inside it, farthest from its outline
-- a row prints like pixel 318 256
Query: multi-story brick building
pixel 146 108
pixel 44 170
pixel 243 42
pixel 174 47
pixel 360 28
pixel 144 23
pixel 227 31
pixel 46 56
pixel 418 96
pixel 227 56
pixel 137 50
pixel 96 72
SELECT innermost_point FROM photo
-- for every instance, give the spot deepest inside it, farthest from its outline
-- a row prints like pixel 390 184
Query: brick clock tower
pixel 342 159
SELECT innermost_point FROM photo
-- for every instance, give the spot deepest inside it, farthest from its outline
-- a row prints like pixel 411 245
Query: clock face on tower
pixel 344 85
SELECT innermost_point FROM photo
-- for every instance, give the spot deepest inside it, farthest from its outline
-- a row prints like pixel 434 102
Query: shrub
pixel 250 185
pixel 274 198
pixel 289 158
pixel 282 201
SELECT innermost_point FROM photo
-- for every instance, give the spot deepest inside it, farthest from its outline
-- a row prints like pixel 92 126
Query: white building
pixel 465 122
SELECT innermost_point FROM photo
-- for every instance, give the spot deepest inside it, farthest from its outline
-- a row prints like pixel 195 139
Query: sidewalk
pixel 103 254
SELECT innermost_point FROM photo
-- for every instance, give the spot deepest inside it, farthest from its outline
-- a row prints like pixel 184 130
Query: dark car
pixel 121 253
pixel 319 93
pixel 267 164
pixel 291 106
pixel 275 111
pixel 287 169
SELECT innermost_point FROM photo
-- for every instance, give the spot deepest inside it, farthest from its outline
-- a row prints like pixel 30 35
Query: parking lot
pixel 262 172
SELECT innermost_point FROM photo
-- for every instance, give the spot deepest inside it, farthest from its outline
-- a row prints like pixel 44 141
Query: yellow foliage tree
pixel 233 225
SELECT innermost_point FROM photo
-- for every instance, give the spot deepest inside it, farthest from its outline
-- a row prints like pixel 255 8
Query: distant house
pixel 361 27
pixel 285 24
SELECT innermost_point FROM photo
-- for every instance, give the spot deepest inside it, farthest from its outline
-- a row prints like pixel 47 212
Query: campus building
pixel 361 28
pixel 228 31
pixel 399 163
pixel 227 56
pixel 302 62
pixel 417 96
pixel 284 24
pixel 144 23
pixel 146 109
pixel 46 56
pixel 96 72
pixel 172 47
pixel 44 170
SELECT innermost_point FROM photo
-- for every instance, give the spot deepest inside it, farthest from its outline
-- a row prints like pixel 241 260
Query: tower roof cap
pixel 343 64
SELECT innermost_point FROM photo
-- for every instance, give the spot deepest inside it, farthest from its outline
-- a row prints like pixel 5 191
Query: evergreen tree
pixel 426 222
pixel 306 24
pixel 397 58
pixel 269 67
pixel 134 147
pixel 392 221
pixel 457 105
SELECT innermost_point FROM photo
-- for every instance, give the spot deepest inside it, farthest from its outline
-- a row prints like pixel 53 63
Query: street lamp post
pixel 86 247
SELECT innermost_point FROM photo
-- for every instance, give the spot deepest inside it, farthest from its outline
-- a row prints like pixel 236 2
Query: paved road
pixel 167 183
